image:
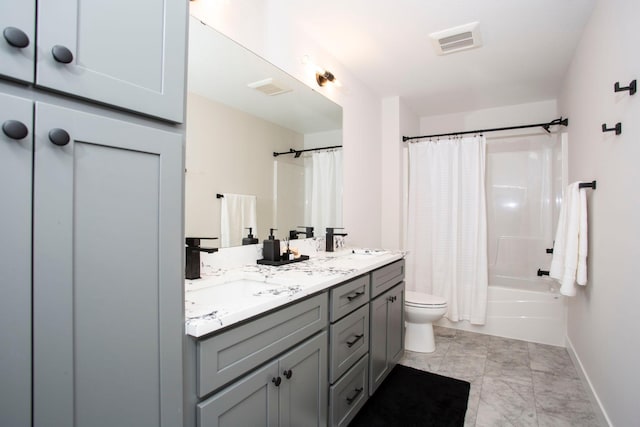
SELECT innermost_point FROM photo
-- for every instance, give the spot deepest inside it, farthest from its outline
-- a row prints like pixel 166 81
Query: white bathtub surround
pixel 533 311
pixel 447 225
pixel 569 263
pixel 229 294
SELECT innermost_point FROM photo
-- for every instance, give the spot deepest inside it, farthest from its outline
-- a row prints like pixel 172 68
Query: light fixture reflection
pixel 323 76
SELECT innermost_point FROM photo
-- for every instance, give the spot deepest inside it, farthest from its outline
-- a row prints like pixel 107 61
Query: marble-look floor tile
pixel 469 343
pixel 464 367
pixel 507 401
pixel 507 344
pixel 473 402
pixel 502 363
pixel 423 361
pixel 562 400
pixel 551 359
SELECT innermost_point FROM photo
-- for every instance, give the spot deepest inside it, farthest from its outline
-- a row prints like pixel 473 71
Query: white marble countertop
pixel 224 296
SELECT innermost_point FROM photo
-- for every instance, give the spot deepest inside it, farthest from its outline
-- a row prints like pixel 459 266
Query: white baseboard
pixel 603 419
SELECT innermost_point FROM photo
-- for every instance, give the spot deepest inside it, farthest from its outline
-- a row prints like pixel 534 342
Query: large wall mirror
pixel 240 111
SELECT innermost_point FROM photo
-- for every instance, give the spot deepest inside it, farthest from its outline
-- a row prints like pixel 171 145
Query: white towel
pixel 569 263
pixel 237 212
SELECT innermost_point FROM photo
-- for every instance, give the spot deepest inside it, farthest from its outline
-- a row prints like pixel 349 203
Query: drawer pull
pixel 351 399
pixel 62 54
pixel 288 374
pixel 355 295
pixel 59 136
pixel 358 338
pixel 276 381
pixel 15 129
pixel 16 37
pixel 392 299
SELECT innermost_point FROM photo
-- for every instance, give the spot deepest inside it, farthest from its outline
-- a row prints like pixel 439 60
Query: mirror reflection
pixel 240 111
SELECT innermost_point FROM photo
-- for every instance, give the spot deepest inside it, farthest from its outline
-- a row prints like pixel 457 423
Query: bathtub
pixel 523 309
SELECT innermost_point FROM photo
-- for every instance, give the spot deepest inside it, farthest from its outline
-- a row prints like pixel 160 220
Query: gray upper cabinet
pixel 16 152
pixel 17 42
pixel 128 54
pixel 108 312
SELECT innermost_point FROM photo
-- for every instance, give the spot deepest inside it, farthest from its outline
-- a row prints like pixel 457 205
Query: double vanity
pixel 303 344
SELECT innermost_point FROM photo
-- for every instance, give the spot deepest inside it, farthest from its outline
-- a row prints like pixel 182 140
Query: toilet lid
pixel 419 298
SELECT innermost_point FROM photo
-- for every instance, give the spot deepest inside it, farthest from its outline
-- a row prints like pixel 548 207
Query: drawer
pixel 347 396
pixel 349 341
pixel 224 357
pixel 386 277
pixel 349 296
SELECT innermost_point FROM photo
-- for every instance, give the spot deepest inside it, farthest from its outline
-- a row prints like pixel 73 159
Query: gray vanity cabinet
pixel 107 302
pixel 15 261
pixel 127 54
pixel 288 392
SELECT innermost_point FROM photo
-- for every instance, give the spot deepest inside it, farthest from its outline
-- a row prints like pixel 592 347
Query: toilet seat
pixel 419 299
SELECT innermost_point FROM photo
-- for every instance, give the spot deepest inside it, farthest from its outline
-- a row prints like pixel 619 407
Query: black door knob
pixel 15 129
pixel 287 374
pixel 276 381
pixel 62 54
pixel 16 37
pixel 59 136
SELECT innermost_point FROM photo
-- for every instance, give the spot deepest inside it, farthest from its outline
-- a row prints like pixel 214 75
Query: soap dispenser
pixel 249 240
pixel 271 247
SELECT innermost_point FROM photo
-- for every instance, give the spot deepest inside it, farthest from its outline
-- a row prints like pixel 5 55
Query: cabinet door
pixel 107 278
pixel 387 334
pixel 304 388
pixel 251 401
pixel 395 325
pixel 17 19
pixel 130 54
pixel 378 346
pixel 15 262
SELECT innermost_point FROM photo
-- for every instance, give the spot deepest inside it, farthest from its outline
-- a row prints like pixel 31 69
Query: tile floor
pixel 513 383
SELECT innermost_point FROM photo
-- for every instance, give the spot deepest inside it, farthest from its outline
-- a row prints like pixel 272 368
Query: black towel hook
pixel 617 128
pixel 631 88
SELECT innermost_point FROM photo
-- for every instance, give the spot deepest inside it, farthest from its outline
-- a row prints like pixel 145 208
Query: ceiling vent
pixel 456 39
pixel 269 87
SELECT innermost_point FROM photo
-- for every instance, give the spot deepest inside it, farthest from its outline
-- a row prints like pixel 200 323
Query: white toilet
pixel 420 311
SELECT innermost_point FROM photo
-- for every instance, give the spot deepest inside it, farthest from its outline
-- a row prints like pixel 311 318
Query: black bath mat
pixel 413 398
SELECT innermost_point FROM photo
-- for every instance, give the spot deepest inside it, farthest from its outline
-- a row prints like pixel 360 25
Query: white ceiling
pixel 527 47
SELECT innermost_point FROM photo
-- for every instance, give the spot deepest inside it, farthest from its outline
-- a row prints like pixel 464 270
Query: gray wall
pixel 604 318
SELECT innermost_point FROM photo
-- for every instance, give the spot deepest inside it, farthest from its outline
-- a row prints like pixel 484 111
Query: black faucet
pixel 329 237
pixel 294 234
pixel 192 258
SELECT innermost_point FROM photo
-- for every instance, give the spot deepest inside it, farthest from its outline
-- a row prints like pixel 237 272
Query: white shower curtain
pixel 324 203
pixel 447 225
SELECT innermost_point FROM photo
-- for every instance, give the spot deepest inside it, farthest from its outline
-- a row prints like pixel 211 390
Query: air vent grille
pixel 456 39
pixel 269 87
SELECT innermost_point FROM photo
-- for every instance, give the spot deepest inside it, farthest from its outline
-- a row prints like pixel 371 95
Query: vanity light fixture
pixel 322 75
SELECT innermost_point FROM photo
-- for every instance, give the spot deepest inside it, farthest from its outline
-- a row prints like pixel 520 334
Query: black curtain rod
pixel 298 152
pixel 545 126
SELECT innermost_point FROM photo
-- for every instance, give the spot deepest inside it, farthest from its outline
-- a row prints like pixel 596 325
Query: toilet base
pixel 419 337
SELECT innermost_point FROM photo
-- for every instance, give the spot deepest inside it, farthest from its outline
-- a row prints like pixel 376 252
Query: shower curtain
pixel 324 203
pixel 447 225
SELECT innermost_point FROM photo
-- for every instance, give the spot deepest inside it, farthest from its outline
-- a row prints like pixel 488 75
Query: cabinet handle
pixel 59 136
pixel 15 129
pixel 392 299
pixel 62 54
pixel 358 338
pixel 288 374
pixel 354 296
pixel 355 396
pixel 276 381
pixel 16 37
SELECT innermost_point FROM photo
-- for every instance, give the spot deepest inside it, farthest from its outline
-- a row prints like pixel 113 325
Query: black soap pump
pixel 249 240
pixel 271 247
